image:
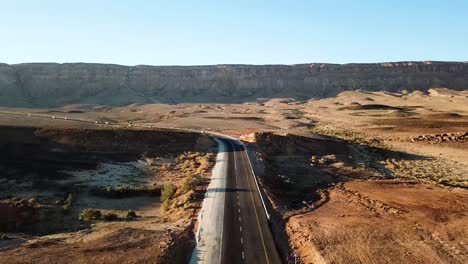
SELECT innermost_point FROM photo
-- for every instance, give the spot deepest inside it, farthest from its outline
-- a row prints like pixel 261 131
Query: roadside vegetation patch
pixel 90 214
pixel 131 214
pixel 167 194
pixel 68 203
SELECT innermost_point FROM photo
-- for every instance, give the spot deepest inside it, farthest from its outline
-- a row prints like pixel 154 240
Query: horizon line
pixel 240 64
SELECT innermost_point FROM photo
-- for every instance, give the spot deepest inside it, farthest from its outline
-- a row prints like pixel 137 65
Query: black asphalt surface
pixel 246 233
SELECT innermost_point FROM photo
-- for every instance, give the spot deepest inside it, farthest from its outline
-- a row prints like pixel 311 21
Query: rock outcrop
pixel 51 84
pixel 439 138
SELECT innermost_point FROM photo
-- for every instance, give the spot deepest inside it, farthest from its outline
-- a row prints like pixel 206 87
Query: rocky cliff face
pixel 50 84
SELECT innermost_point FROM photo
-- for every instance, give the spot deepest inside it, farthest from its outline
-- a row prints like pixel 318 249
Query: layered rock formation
pixel 51 84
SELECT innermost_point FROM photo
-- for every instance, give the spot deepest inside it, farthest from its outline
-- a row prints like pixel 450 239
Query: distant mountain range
pixel 52 84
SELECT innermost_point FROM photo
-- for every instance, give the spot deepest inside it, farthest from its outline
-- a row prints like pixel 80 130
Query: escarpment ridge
pixel 52 84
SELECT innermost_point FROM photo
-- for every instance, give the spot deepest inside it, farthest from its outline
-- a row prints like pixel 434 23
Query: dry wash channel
pixel 100 195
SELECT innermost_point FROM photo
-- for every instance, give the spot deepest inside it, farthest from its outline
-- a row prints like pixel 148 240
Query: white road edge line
pixel 209 235
pixel 256 182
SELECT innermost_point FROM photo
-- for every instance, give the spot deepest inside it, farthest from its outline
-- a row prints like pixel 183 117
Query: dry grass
pixel 127 191
pixel 438 170
pixel 182 177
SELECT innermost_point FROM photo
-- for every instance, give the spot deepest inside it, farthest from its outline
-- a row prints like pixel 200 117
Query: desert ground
pixel 100 195
pixel 362 177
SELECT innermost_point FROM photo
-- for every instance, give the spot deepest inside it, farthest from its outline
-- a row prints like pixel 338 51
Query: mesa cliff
pixel 52 84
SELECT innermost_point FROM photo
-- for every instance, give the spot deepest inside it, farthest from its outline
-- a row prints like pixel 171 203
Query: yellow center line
pixel 258 221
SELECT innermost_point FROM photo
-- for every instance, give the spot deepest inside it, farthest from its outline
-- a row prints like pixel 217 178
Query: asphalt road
pixel 246 235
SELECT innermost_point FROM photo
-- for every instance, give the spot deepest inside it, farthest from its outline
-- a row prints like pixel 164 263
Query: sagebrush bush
pixel 90 214
pixel 68 203
pixel 167 192
pixel 131 214
pixel 189 183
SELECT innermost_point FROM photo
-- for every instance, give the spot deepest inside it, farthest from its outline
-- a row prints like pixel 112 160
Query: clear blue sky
pixel 176 32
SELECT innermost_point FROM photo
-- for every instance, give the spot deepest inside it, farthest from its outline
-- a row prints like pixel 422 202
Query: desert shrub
pixel 204 162
pixel 23 202
pixel 131 214
pixel 110 217
pixel 189 183
pixel 68 203
pixel 127 191
pixel 186 165
pixel 167 192
pixel 66 209
pixel 32 201
pixel 90 214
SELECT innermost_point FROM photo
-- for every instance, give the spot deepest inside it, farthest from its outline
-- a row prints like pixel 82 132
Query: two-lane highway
pixel 246 235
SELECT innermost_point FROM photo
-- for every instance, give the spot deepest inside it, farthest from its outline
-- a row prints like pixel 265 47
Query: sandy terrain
pixel 149 239
pixel 384 222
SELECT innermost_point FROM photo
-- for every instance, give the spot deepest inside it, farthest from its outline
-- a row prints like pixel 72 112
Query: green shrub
pixel 68 203
pixel 90 214
pixel 131 214
pixel 167 192
pixel 110 217
pixel 189 183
